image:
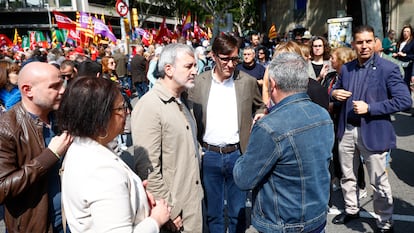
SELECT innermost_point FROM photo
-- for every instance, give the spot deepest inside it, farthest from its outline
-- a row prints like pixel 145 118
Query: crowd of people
pixel 223 134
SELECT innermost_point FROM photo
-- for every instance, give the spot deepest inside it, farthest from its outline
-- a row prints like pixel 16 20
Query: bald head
pixel 378 46
pixel 41 87
pixel 36 72
pixel 140 50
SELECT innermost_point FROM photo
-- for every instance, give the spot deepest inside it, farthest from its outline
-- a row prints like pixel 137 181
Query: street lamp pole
pixel 48 14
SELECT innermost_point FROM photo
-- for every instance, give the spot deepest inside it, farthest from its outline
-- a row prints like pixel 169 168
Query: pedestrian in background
pixel 139 71
pixel 9 91
pixel 405 52
pixel 389 44
pixel 319 65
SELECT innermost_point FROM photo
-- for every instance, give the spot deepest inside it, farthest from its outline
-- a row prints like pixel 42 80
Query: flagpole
pixel 48 14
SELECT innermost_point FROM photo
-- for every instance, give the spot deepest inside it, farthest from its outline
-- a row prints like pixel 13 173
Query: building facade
pixel 313 14
pixel 36 15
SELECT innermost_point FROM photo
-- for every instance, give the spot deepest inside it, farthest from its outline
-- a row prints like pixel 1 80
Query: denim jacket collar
pixel 287 100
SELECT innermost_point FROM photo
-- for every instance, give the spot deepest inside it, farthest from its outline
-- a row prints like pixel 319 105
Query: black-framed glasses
pixel 124 107
pixel 66 76
pixel 226 60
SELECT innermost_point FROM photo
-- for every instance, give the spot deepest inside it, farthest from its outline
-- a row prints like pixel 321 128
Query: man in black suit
pixel 139 71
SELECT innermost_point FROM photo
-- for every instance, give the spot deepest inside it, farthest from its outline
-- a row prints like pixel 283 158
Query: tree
pixel 155 7
pixel 217 8
pixel 245 15
pixel 371 15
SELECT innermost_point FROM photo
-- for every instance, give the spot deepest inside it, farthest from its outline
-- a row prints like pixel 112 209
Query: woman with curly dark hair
pixel 319 65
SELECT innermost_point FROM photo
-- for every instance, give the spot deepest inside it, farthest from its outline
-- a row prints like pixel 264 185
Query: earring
pixel 106 135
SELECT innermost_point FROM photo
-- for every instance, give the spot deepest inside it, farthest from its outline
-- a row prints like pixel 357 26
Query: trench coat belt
pixel 229 148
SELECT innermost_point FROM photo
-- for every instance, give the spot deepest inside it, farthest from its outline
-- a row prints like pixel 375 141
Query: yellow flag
pixel 16 37
pixel 272 32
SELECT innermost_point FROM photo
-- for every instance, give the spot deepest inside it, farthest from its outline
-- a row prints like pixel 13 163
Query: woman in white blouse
pixel 100 193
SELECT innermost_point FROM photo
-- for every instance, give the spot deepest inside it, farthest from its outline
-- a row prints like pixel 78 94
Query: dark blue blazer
pixel 385 92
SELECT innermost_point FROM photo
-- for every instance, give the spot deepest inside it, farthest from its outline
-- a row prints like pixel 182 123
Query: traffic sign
pixel 121 8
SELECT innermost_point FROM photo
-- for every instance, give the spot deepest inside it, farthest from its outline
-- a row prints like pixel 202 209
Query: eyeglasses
pixel 226 60
pixel 66 76
pixel 112 63
pixel 124 107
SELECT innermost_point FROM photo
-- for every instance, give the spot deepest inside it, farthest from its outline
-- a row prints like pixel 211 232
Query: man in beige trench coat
pixel 166 151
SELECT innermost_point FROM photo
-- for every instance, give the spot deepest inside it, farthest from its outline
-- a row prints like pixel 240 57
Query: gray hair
pixel 290 72
pixel 170 53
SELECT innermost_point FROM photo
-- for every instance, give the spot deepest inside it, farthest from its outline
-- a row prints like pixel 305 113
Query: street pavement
pixel 401 176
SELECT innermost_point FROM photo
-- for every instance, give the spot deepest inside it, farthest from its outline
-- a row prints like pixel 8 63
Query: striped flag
pixel 272 32
pixel 186 25
pixel 16 39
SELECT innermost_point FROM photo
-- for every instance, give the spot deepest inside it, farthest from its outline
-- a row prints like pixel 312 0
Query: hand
pixel 341 94
pixel 323 72
pixel 401 54
pixel 150 197
pixel 412 83
pixel 360 107
pixel 257 117
pixel 161 212
pixel 60 144
pixel 178 222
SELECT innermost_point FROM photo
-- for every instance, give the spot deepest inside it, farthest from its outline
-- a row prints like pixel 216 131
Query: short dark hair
pixel 86 106
pixel 89 68
pixel 362 28
pixel 225 43
pixel 66 63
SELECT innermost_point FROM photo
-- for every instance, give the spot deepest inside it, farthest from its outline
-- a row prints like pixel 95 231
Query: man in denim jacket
pixel 288 154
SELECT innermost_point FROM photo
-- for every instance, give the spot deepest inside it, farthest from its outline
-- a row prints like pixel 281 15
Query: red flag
pixel 32 40
pixel 63 21
pixel 164 31
pixel 197 31
pixel 147 38
pixel 74 35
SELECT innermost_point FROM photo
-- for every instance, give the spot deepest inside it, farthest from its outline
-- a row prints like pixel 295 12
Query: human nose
pixel 194 70
pixel 231 63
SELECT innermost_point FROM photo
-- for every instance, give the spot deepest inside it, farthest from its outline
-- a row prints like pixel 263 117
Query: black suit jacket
pixel 138 69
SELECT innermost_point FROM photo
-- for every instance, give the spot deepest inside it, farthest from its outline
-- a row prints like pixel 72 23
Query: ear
pixel 27 90
pixel 169 70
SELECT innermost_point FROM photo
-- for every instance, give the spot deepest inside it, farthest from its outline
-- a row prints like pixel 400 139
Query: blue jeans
pixel 142 88
pixel 224 200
